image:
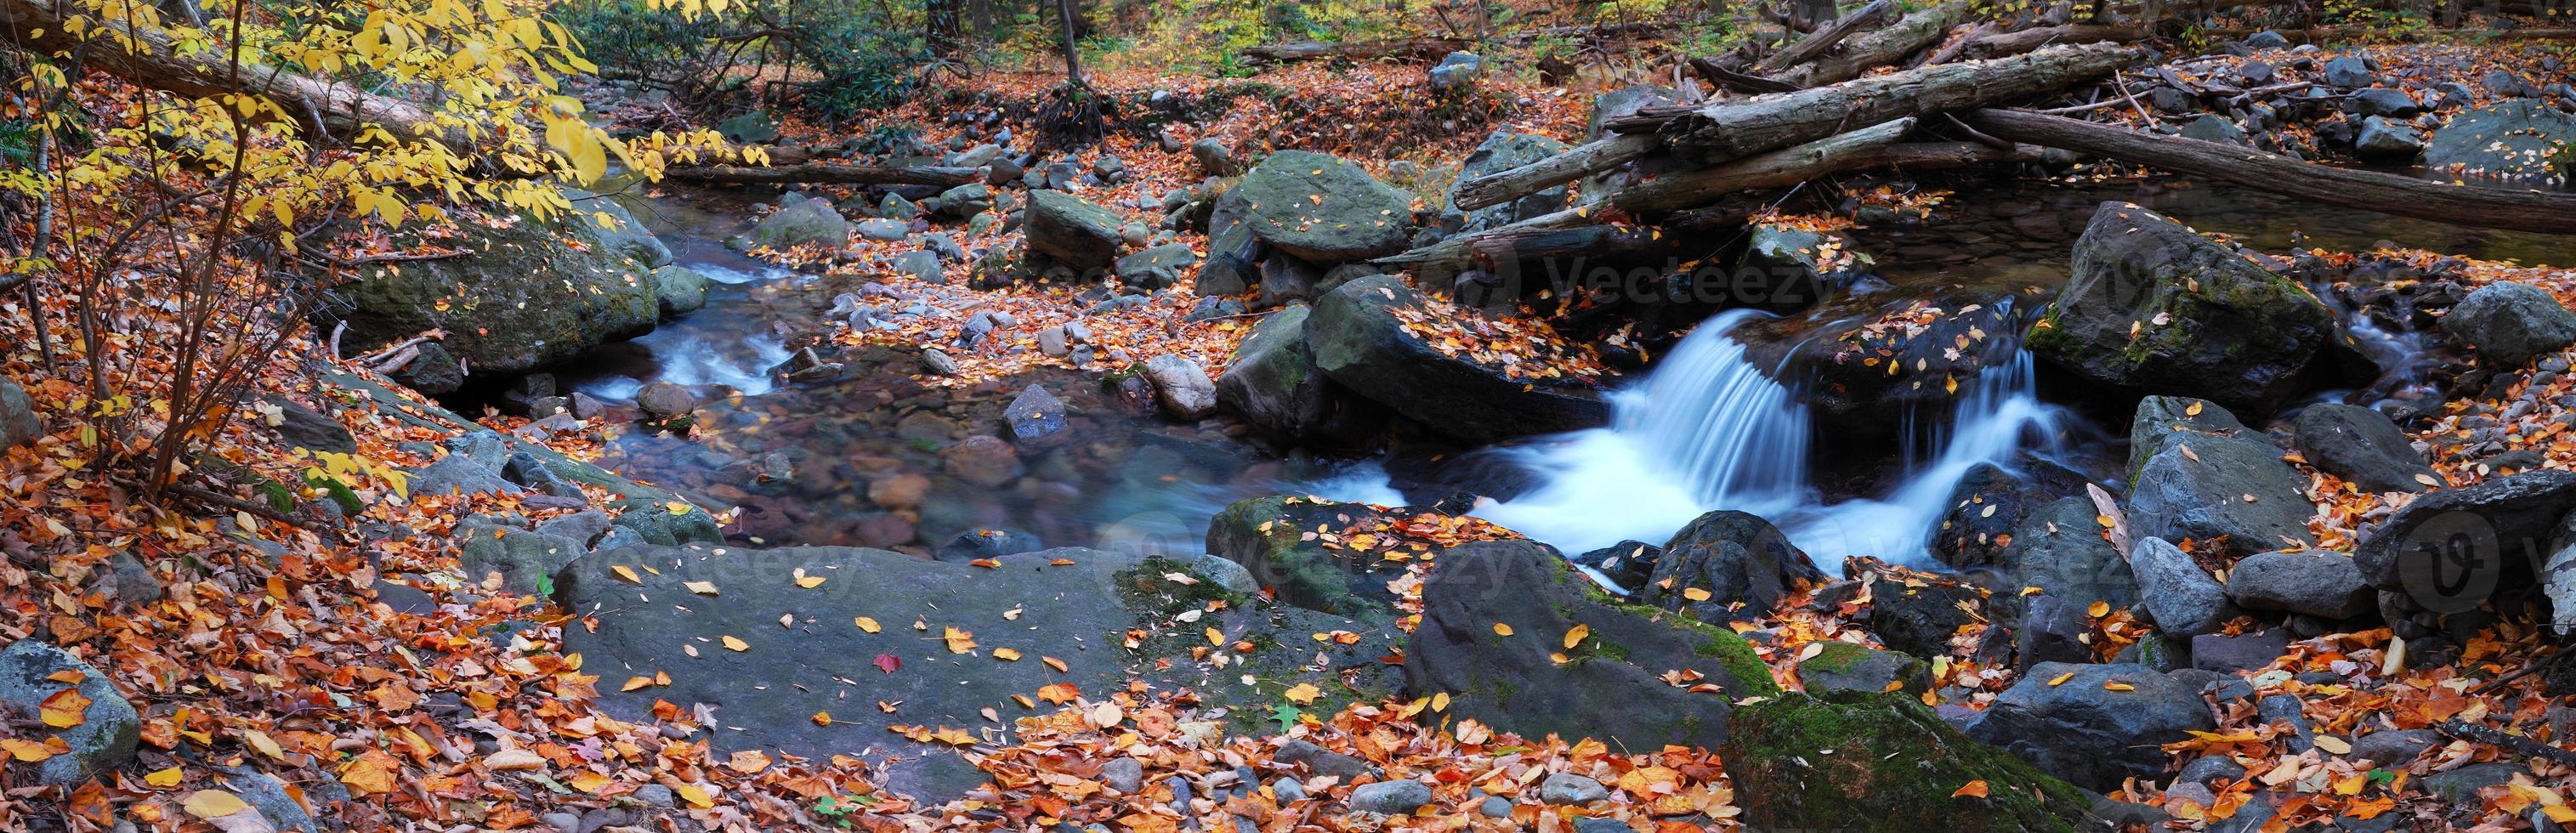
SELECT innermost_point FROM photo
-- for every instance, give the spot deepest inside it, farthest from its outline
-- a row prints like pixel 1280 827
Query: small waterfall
pixel 1708 430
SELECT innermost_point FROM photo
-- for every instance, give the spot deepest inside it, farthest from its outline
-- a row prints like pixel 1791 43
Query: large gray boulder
pixel 1745 565
pixel 2199 474
pixel 2362 446
pixel 1322 209
pixel 2087 730
pixel 2154 307
pixel 799 221
pixel 2450 549
pixel 2511 323
pixel 521 297
pixel 2316 583
pixel 2519 139
pixel 680 290
pixel 19 424
pixel 524 560
pixel 736 631
pixel 1074 232
pixel 622 234
pixel 1268 536
pixel 2059 549
pixel 1609 687
pixel 105 737
pixel 1359 339
pixel 1501 151
pixel 2184 599
pixel 1275 385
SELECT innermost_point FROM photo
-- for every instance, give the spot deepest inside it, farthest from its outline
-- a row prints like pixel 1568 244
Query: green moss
pixel 1776 752
pixel 1738 658
pixel 1837 657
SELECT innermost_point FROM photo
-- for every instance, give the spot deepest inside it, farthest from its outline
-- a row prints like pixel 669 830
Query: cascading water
pixel 1709 430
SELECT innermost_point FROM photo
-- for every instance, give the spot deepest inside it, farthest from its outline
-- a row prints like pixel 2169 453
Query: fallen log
pixel 1770 170
pixel 146 58
pixel 1282 53
pixel 1728 130
pixel 1885 46
pixel 1589 158
pixel 823 172
pixel 2001 44
pixel 2462 205
pixel 1815 43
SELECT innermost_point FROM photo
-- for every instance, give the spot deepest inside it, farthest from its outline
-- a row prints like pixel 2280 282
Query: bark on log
pixel 824 172
pixel 1770 170
pixel 1282 53
pixel 1817 42
pixel 38 26
pixel 1885 46
pixel 1736 129
pixel 1589 158
pixel 2002 44
pixel 2462 205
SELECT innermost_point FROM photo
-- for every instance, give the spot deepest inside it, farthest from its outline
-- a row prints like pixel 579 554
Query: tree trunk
pixel 1072 56
pixel 2001 44
pixel 1282 53
pixel 1885 46
pixel 1822 39
pixel 941 27
pixel 2480 207
pixel 1770 170
pixel 34 25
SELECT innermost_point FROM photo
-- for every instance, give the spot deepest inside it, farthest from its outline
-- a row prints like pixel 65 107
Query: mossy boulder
pixel 1322 209
pixel 109 729
pixel 1744 564
pixel 1074 232
pixel 1609 684
pixel 524 295
pixel 1282 540
pixel 1882 762
pixel 1358 336
pixel 2522 138
pixel 1275 385
pixel 2154 307
pixel 1845 667
pixel 2200 474
pixel 680 290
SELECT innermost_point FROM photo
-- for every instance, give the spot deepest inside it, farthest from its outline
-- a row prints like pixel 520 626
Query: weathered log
pixel 824 172
pixel 2463 205
pixel 1927 155
pixel 1885 46
pixel 38 26
pixel 1282 53
pixel 1589 158
pixel 1735 129
pixel 1815 43
pixel 1770 170
pixel 2001 44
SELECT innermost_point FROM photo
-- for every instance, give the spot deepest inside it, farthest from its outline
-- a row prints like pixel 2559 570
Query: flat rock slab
pixel 803 652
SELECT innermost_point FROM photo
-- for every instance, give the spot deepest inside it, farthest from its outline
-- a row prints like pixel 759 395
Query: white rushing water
pixel 1708 430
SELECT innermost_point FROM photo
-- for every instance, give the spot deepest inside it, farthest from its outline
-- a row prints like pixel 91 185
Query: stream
pixel 877 461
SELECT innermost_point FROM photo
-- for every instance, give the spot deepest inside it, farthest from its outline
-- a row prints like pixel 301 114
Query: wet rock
pixel 1845 667
pixel 2501 522
pixel 679 290
pixel 2349 72
pixel 2212 127
pixel 1501 151
pixel 1612 690
pixel 1737 558
pixel 2212 479
pixel 2382 101
pixel 923 266
pixel 1569 788
pixel 2239 653
pixel 1631 564
pixel 899 491
pixel 524 295
pixel 2060 550
pixel 1317 760
pixel 434 371
pixel 1322 209
pixel 2183 598
pixel 1275 385
pixel 797 222
pixel 19 424
pixel 665 522
pixel 1266 536
pixel 109 729
pixel 301 427
pixel 666 400
pixel 1157 267
pixel 972 199
pixel 2209 768
pixel 982 460
pixel 2363 446
pixel 2315 583
pixel 1922 620
pixel 1988 504
pixel 1034 415
pixel 2512 139
pixel 1360 342
pixel 1390 797
pixel 1074 232
pixel 2155 307
pixel 1214 158
pixel 1181 387
pixel 2394 748
pixel 2087 734
pixel 1881 762
pixel 1456 71
pixel 883 230
pixel 2511 323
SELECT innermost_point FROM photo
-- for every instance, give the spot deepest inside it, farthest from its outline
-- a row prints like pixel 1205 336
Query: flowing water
pixel 872 461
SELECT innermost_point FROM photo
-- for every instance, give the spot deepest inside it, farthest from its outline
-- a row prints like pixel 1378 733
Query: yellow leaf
pixel 165 778
pixel 702 588
pixel 2098 609
pixel 2118 687
pixel 810 582
pixel 625 572
pixel 822 718
pixel 213 804
pixel 1501 629
pixel 959 641
pixel 1304 693
pixel 1574 635
pixel 64 709
pixel 678 507
pixel 1972 789
pixel 1696 594
pixel 2061 679
pixel 633 683
pixel 867 624
pixel 1215 637
pixel 696 797
pixel 736 644
pixel 1440 702
pixel 1006 654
